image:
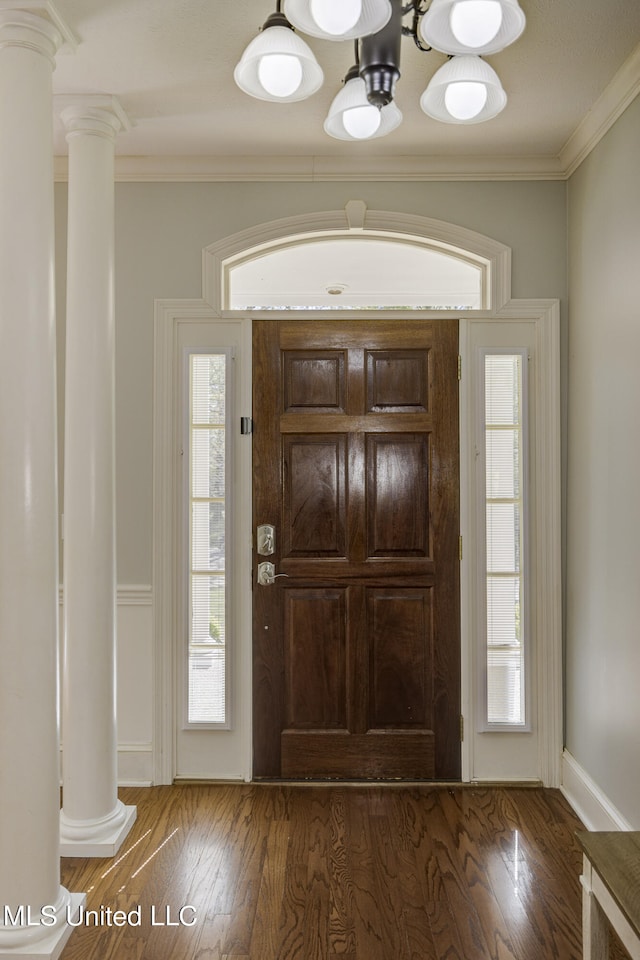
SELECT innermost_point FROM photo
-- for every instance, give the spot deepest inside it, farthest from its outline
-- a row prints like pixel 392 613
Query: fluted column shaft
pixel 91 812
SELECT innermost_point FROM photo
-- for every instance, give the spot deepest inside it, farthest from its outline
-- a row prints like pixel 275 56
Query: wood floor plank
pixel 373 918
pixel 406 867
pixel 342 936
pixel 469 823
pixel 339 872
pixel 391 889
pixel 445 936
pixel 316 914
pixel 212 939
pixel 266 933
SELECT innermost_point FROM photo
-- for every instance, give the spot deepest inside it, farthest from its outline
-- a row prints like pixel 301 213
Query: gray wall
pixel 162 228
pixel 603 516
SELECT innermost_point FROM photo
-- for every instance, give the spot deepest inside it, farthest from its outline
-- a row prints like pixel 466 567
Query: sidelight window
pixel 208 467
pixel 504 455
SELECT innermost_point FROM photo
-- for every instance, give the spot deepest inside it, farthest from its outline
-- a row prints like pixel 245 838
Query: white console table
pixel 610 892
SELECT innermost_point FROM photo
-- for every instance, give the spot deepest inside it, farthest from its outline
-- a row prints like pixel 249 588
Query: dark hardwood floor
pixel 336 872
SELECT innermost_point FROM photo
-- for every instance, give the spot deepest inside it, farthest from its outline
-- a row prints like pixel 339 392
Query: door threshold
pixel 398 782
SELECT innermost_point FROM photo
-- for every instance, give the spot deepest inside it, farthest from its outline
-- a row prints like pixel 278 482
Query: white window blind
pixel 208 492
pixel 504 459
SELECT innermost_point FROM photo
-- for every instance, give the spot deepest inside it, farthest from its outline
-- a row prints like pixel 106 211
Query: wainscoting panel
pixel 134 683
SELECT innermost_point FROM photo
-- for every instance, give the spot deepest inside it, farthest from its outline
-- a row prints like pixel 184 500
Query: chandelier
pixel 278 65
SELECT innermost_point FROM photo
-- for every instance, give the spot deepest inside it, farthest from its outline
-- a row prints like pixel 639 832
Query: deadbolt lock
pixel 266 539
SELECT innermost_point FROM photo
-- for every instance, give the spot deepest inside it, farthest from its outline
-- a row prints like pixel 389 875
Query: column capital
pixel 34 24
pixel 92 115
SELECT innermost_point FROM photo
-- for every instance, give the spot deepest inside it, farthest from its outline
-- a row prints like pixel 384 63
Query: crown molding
pixel 613 101
pixel 617 96
pixel 189 169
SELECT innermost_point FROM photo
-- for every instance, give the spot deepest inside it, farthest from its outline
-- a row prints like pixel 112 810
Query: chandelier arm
pixel 413 33
pixel 418 8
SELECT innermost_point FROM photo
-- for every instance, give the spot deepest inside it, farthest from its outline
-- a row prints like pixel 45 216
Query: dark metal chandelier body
pixel 278 65
pixel 380 59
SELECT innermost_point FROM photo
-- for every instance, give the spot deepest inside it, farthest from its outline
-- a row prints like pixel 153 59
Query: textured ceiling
pixel 170 64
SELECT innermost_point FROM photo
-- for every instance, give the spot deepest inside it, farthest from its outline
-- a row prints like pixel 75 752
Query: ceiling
pixel 170 65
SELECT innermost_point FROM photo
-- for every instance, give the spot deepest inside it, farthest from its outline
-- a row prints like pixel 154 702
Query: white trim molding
pixel 548 543
pixel 321 169
pixel 135 764
pixel 546 530
pixel 128 595
pixel 135 657
pixel 170 315
pixel 613 101
pixel 494 257
pixel 173 320
pixel 588 800
pixel 164 377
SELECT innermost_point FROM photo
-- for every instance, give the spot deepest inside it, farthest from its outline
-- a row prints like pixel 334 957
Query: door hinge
pixel 461 728
pixel 459 367
pixel 460 547
pixel 246 425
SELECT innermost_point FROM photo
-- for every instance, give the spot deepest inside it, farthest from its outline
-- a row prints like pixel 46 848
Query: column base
pixel 50 946
pixel 91 838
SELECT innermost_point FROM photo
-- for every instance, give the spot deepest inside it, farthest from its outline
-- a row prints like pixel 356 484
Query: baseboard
pixel 588 800
pixel 135 764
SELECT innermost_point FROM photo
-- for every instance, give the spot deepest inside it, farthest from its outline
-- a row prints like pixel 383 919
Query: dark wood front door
pixel 357 647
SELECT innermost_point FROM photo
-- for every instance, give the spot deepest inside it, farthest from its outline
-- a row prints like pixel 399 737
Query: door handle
pixel 267 573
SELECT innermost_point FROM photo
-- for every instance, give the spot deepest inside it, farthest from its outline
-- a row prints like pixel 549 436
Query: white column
pixel 93 822
pixel 29 727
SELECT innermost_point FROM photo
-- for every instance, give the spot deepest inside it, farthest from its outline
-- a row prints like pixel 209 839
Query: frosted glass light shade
pixel 353 97
pixel 470 73
pixel 375 14
pixel 261 80
pixel 437 26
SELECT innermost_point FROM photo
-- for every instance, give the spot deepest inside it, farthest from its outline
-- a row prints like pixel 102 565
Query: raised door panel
pixel 400 636
pixel 315 636
pixel 315 496
pixel 397 495
pixel 397 381
pixel 314 381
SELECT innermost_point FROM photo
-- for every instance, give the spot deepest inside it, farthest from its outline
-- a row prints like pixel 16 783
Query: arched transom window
pixel 356 273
